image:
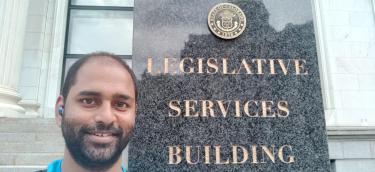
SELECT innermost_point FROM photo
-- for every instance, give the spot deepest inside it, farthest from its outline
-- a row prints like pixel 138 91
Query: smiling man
pixel 96 112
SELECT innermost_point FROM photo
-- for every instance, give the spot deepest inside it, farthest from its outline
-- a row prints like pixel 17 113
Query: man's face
pixel 99 114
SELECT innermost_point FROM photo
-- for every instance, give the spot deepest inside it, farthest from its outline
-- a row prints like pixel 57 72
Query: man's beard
pixel 92 156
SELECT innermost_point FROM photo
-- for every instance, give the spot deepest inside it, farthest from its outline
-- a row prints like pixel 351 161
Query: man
pixel 96 112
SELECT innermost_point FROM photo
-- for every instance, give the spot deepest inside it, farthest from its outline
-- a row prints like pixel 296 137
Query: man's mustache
pixel 101 128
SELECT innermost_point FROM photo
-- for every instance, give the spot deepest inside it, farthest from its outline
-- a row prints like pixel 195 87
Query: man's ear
pixel 58 114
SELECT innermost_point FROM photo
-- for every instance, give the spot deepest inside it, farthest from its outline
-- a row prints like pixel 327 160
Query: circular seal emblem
pixel 226 20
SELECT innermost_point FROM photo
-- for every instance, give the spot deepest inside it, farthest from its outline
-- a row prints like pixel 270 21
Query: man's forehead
pixel 98 93
pixel 99 63
pixel 103 70
pixel 102 60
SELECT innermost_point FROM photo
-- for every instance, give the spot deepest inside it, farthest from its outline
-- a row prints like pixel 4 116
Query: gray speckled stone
pixel 275 30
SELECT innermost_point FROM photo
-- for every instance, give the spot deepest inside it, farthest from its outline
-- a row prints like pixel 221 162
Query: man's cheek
pixel 73 127
pixel 128 121
pixel 128 128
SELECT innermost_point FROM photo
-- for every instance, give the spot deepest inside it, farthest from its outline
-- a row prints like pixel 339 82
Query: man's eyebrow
pixel 122 96
pixel 98 94
pixel 89 93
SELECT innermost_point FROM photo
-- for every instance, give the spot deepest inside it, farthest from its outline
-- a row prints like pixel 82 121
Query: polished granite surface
pixel 278 34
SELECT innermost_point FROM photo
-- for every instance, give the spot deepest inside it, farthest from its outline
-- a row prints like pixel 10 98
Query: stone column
pixel 13 15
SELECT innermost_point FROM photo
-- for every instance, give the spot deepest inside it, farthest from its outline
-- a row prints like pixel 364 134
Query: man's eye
pixel 88 101
pixel 120 105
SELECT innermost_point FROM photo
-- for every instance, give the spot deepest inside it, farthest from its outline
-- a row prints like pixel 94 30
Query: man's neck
pixel 69 164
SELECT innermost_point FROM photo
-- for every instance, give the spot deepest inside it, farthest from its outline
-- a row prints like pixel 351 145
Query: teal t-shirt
pixel 55 166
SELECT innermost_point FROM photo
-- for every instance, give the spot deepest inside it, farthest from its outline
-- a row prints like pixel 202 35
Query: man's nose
pixel 105 114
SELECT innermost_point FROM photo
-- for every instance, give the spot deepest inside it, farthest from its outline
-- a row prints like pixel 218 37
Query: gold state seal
pixel 226 20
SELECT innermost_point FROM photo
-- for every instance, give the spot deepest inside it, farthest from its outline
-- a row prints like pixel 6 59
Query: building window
pixel 98 25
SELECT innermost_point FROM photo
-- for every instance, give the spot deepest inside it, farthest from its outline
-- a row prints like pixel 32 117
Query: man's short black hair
pixel 72 73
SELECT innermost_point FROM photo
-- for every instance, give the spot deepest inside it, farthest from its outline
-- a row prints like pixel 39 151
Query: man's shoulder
pixel 54 166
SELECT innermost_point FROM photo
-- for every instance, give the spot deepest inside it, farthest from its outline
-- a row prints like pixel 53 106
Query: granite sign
pixel 227 86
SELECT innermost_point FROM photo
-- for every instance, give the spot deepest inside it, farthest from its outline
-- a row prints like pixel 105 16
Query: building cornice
pixel 351 133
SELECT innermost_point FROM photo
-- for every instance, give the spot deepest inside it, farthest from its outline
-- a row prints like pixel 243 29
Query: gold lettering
pixel 222 108
pixel 300 66
pixel 267 109
pixel 235 156
pixel 190 108
pixel 188 155
pixel 291 159
pixel 200 65
pixel 218 156
pixel 174 155
pixel 246 66
pixel 246 108
pixel 207 104
pixel 239 154
pixel 225 67
pixel 283 110
pixel 270 155
pixel 254 152
pixel 174 105
pixel 149 64
pixel 212 65
pixel 238 108
pixel 166 65
pixel 259 65
pixel 182 66
pixel 272 67
pixel 207 154
pixel 282 65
